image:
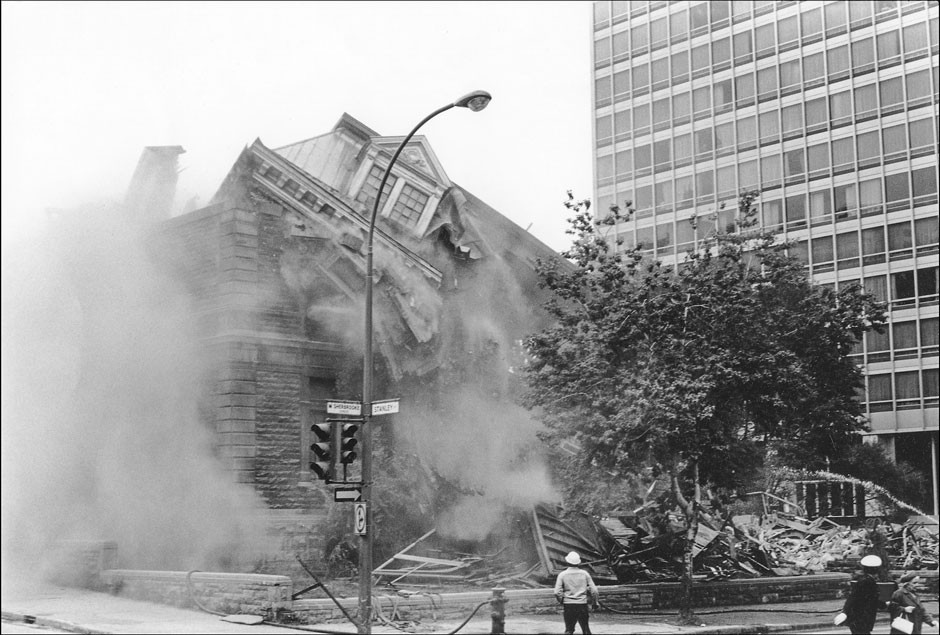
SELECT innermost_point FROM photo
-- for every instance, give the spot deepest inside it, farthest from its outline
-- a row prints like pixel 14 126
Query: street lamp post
pixel 475 101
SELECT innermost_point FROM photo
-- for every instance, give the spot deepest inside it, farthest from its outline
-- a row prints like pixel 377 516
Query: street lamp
pixel 475 101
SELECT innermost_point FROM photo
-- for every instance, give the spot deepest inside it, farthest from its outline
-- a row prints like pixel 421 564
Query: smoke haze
pixel 101 434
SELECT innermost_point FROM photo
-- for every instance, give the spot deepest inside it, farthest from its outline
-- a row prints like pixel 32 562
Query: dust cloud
pixel 101 396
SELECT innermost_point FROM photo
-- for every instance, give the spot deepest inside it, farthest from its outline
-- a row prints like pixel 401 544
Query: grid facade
pixel 830 110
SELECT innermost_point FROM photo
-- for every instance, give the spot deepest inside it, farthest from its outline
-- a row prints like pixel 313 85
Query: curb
pixel 50 623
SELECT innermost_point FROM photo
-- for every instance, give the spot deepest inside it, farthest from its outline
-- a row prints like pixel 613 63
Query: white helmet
pixel 573 558
pixel 871 561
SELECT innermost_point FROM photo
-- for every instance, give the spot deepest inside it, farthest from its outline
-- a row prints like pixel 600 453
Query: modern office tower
pixel 830 109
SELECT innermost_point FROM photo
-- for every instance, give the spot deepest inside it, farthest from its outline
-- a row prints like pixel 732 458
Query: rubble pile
pixel 649 546
pixel 772 544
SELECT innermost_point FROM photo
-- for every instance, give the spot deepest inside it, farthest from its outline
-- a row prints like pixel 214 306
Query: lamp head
pixel 475 101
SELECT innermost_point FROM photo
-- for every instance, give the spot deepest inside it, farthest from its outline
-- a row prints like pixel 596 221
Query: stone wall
pixel 80 562
pixel 227 593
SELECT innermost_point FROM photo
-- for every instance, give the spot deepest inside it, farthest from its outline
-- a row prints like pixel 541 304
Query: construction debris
pixel 649 545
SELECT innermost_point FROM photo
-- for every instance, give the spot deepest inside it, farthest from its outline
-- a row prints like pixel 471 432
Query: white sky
pixel 87 85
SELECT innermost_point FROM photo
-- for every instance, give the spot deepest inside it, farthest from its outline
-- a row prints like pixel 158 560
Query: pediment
pixel 417 155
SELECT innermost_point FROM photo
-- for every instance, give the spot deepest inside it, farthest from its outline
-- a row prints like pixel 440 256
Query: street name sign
pixel 359 519
pixel 344 408
pixel 384 407
pixel 347 495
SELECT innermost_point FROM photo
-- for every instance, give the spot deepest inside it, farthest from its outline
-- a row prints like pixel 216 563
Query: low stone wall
pixel 637 597
pixel 227 593
pixel 79 562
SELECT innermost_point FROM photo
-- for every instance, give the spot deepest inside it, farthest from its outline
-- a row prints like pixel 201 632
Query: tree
pixel 691 370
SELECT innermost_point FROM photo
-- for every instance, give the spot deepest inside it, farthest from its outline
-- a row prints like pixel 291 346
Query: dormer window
pixel 368 190
pixel 409 206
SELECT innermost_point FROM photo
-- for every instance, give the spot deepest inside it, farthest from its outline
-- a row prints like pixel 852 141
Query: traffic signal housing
pixel 322 451
pixel 348 442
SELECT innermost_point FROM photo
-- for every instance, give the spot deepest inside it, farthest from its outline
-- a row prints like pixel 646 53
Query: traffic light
pixel 348 442
pixel 322 449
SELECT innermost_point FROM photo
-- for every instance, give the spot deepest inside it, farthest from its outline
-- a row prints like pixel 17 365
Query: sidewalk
pixel 80 611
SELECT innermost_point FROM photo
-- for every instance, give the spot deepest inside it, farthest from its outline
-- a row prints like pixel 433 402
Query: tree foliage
pixel 691 370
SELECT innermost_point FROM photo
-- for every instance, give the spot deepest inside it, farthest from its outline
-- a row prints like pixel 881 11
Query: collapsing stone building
pixel 275 267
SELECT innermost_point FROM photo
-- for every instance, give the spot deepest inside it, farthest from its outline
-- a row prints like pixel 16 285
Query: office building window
pixel 602 92
pixel 928 284
pixel 680 67
pixel 795 163
pixel 811 25
pixel 866 102
pixel 725 177
pixel 790 76
pixel 699 17
pixel 682 148
pixel 641 119
pixel 662 155
pixel 835 18
pixel 796 211
pixel 837 62
pixel 870 197
pixel 840 107
pixel 897 192
pixel 767 84
pixel 821 251
pixel 747 132
pixel 920 134
pixel 930 335
pixel 816 116
pixel 813 71
pixel 605 169
pixel 918 88
pixel 772 214
pixel 724 100
pixel 663 236
pixel 771 171
pixel 644 200
pixel 764 40
pixel 876 287
pixel 863 56
pixel 662 191
pixel 679 25
pixel 601 52
pixel 624 160
pixel 747 175
pixel 924 186
pixel 684 192
pixel 685 234
pixel 819 207
pixel 845 199
pixel 859 14
pixel 873 245
pixel 659 33
pixel 904 335
pixel 880 394
pixel 792 121
pixel 705 186
pixel 601 14
pixel 643 160
pixel 894 140
pixel 701 102
pixel 769 127
pixel 926 235
pixel 622 84
pixel 602 130
pixel 623 126
pixel 660 69
pixel 724 138
pixel 817 156
pixel 879 346
pixel 681 108
pixel 639 37
pixel 743 48
pixel 721 54
pixel 903 291
pixel 931 379
pixel 900 244
pixel 907 389
pixel 892 95
pixel 744 90
pixel 915 39
pixel 644 238
pixel 621 43
pixel 889 49
pixel 868 150
pixel 641 79
pixel 847 250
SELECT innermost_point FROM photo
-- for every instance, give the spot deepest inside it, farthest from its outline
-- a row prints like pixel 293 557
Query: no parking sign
pixel 359 519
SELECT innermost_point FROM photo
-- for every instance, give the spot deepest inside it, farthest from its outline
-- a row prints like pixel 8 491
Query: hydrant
pixel 498 603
